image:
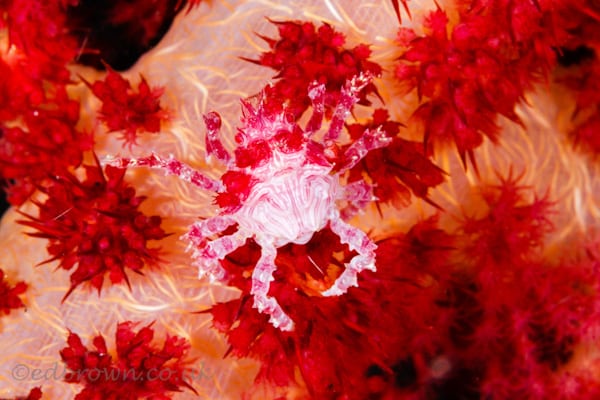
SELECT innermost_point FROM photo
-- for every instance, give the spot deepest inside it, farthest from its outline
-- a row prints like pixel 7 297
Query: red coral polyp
pixel 128 110
pixel 140 370
pixel 512 229
pixel 9 295
pixel 95 225
pixel 466 74
pixel 304 54
pixel 47 144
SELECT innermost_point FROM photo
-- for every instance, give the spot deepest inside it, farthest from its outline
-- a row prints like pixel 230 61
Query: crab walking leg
pixel 214 146
pixel 171 166
pixel 261 282
pixel 358 194
pixel 370 140
pixel 316 93
pixel 200 230
pixel 365 259
pixel 348 99
pixel 207 258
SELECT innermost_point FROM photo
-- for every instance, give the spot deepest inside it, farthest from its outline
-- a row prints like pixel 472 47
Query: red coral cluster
pixel 397 170
pixel 140 369
pixel 94 224
pixel 304 54
pixel 127 110
pixel 37 29
pixel 38 133
pixel 48 144
pixel 39 136
pixel 9 295
pixel 469 71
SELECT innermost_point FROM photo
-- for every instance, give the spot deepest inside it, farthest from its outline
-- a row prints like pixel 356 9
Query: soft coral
pixel 342 342
pixel 140 370
pixel 304 54
pixel 94 223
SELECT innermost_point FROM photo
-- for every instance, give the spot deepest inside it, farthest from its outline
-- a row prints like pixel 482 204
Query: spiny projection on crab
pixel 281 187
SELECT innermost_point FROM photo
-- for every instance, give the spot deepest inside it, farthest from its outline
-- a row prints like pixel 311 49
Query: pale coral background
pixel 198 63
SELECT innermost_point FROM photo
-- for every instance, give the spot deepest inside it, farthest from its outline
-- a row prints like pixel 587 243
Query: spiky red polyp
pixel 94 225
pixel 9 295
pixel 304 54
pixel 396 5
pixel 140 369
pixel 511 227
pixel 397 170
pixel 128 110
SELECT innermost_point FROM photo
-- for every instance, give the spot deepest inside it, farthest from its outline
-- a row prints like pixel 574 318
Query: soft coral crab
pixel 281 188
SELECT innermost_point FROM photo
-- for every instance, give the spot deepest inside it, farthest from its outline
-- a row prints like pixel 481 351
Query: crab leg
pixel 365 259
pixel 207 258
pixel 171 166
pixel 370 140
pixel 261 282
pixel 316 92
pixel 214 146
pixel 200 230
pixel 358 194
pixel 347 100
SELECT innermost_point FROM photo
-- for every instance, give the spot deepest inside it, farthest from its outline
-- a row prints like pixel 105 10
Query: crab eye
pixel 241 137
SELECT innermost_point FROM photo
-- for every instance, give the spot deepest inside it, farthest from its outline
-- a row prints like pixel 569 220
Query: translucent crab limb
pixel 316 93
pixel 365 259
pixel 171 166
pixel 261 282
pixel 348 98
pixel 359 194
pixel 214 146
pixel 208 227
pixel 370 140
pixel 207 258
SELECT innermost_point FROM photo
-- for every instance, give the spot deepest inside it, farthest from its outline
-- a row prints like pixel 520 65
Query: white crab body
pixel 289 204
